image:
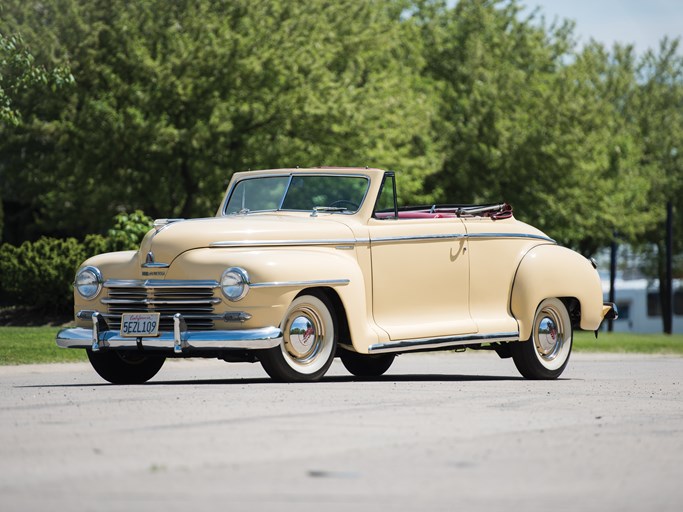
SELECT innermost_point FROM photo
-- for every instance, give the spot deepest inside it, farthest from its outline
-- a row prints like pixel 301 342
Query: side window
pixel 386 202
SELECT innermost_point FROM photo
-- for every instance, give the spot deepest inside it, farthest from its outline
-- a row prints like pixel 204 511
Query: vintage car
pixel 302 265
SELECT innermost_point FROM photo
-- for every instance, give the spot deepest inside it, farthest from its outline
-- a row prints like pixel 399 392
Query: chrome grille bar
pixel 194 300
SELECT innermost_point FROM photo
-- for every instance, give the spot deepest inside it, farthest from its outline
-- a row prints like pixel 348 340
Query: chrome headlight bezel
pixel 235 284
pixel 93 286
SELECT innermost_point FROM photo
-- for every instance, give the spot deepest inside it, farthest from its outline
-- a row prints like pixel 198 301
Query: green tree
pixel 20 74
pixel 172 98
pixel 657 112
pixel 525 120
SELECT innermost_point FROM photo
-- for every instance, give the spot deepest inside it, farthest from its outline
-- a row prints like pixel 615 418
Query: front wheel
pixel 546 353
pixel 309 339
pixel 125 367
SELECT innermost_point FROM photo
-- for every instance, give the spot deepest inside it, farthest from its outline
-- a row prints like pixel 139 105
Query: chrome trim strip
pixel 263 338
pixel 159 283
pixel 156 265
pixel 458 236
pixel 410 238
pixel 318 282
pixel 379 240
pixel 230 316
pixel 162 223
pixel 445 341
pixel 178 302
pixel 511 235
pixel 279 243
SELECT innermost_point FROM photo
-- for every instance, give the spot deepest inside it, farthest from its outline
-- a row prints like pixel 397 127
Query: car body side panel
pixel 420 278
pixel 554 271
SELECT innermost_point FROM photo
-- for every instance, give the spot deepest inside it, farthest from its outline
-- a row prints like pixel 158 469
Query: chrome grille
pixel 196 304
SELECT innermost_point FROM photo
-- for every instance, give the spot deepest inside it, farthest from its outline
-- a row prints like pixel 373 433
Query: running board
pixel 442 342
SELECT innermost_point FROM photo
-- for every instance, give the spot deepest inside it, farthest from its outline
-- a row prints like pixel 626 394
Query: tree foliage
pixel 19 72
pixel 170 99
pixel 471 102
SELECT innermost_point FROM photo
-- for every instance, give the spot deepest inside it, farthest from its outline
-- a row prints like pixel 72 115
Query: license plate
pixel 136 325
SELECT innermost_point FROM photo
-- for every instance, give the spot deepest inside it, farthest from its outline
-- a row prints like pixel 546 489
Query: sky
pixel 640 22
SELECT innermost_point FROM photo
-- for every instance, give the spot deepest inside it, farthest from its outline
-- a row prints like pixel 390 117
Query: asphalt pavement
pixel 440 431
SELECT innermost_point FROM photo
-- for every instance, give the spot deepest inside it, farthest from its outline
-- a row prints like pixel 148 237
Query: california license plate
pixel 136 325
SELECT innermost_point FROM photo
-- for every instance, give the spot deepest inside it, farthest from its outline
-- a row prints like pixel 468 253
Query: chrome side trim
pixel 159 283
pixel 511 235
pixel 410 238
pixel 441 342
pixel 318 282
pixel 156 265
pixel 458 236
pixel 280 243
pixel 386 239
pixel 257 339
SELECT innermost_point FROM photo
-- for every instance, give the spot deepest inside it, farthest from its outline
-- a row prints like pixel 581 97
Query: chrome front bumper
pixel 179 341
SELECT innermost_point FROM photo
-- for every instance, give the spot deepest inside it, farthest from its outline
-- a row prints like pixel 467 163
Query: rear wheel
pixel 125 367
pixel 309 338
pixel 546 353
pixel 362 365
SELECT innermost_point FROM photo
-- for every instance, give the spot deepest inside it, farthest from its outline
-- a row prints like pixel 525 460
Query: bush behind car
pixel 39 275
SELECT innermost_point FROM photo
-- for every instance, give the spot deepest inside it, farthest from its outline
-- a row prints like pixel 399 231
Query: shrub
pixel 128 231
pixel 40 274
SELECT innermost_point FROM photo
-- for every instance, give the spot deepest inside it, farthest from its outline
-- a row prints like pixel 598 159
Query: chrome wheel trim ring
pixel 304 334
pixel 552 334
pixel 307 352
pixel 549 335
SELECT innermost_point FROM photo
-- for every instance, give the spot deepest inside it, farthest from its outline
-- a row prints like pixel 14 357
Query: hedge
pixel 39 275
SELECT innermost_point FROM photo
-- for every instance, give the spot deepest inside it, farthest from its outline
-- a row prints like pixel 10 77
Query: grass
pixel 28 345
pixel 629 343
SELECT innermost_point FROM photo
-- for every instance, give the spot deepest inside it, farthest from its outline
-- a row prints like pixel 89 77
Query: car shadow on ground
pixel 325 380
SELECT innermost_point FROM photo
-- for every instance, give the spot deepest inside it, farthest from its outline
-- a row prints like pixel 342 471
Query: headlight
pixel 88 282
pixel 235 283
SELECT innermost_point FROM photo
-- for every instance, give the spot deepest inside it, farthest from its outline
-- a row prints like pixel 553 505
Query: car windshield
pixel 342 194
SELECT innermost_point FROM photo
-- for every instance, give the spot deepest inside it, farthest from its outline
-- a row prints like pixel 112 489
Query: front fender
pixel 278 275
pixel 554 271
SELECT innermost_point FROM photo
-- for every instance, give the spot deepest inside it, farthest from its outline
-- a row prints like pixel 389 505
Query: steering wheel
pixel 344 203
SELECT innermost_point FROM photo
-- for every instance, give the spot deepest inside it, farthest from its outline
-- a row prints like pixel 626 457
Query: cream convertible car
pixel 301 265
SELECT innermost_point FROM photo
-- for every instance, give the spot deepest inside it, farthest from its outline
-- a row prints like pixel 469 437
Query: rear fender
pixel 553 271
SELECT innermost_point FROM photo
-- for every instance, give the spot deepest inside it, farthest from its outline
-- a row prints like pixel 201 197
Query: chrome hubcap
pixel 304 334
pixel 550 335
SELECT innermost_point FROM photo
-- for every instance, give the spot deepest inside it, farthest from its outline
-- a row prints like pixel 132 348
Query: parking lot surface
pixel 440 431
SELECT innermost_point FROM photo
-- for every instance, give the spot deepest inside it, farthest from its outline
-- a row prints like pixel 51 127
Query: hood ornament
pixel 150 263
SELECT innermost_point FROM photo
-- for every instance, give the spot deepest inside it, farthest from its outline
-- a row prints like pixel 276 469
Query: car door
pixel 420 277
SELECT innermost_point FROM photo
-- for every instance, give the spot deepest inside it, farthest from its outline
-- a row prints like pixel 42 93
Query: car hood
pixel 168 242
